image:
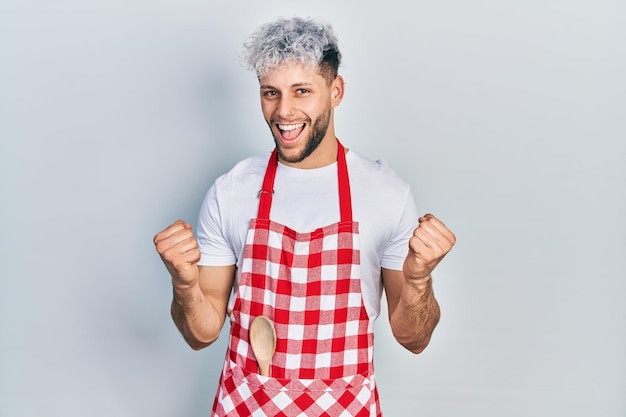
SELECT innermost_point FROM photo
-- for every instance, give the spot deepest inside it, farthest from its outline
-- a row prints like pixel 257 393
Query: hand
pixel 431 241
pixel 179 251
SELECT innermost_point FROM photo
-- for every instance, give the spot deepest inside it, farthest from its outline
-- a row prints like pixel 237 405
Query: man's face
pixel 297 105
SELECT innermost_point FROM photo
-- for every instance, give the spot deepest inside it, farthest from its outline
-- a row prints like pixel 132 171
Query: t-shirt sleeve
pixel 214 247
pixel 397 246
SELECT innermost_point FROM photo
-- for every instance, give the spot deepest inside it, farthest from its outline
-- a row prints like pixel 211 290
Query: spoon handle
pixel 264 367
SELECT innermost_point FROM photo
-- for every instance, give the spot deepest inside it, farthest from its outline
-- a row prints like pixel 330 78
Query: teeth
pixel 290 127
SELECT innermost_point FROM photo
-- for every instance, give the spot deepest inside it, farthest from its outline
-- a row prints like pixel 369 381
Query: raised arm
pixel 413 309
pixel 200 293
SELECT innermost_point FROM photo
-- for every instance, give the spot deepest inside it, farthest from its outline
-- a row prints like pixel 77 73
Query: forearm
pixel 416 314
pixel 195 317
pixel 201 293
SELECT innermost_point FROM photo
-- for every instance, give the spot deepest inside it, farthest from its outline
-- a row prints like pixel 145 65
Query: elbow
pixel 416 349
pixel 415 346
pixel 414 339
pixel 198 344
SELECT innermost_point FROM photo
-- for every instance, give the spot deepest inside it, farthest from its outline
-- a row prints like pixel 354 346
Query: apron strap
pixel 345 199
pixel 267 191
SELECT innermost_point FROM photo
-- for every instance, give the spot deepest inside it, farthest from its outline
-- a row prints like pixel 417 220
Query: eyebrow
pixel 296 85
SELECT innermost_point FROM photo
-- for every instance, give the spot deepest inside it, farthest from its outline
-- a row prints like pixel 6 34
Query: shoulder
pixel 232 198
pixel 242 182
pixel 240 185
pixel 375 173
pixel 244 172
pixel 378 192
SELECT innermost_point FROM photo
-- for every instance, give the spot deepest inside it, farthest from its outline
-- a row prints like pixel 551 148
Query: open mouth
pixel 290 132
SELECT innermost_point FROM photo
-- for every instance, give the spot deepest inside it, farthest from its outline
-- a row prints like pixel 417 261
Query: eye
pixel 270 93
pixel 302 91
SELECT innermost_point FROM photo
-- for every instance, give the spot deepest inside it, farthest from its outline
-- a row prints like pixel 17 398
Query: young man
pixel 329 230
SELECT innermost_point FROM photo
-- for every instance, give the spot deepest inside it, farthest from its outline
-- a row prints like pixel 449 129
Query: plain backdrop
pixel 507 118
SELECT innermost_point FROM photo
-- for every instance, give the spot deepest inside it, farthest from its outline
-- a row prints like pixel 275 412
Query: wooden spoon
pixel 263 341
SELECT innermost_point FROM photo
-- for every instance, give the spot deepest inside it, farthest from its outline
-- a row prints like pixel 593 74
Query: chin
pixel 291 155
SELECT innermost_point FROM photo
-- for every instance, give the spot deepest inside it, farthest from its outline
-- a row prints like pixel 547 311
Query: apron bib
pixel 308 285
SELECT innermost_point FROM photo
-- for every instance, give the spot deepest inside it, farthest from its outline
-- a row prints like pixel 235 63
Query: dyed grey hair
pixel 286 40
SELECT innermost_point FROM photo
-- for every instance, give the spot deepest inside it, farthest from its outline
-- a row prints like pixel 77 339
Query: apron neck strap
pixel 345 199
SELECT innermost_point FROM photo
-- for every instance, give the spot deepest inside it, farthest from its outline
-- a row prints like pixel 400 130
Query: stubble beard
pixel 318 132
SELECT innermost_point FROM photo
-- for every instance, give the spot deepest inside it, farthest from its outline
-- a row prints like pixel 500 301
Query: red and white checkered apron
pixel 308 285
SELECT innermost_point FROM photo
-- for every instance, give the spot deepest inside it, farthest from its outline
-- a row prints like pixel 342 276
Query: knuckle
pixel 167 255
pixel 159 247
pixel 178 264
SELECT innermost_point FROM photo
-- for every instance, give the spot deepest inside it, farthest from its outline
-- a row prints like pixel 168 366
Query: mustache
pixel 280 121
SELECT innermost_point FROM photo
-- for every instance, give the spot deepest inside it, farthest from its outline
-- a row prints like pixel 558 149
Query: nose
pixel 285 108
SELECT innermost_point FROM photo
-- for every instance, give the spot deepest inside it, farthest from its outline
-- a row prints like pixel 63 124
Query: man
pixel 329 230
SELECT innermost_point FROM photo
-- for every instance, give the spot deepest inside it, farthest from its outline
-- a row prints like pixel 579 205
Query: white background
pixel 507 118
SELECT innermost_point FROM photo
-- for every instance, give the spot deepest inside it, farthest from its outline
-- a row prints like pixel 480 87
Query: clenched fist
pixel 431 241
pixel 179 251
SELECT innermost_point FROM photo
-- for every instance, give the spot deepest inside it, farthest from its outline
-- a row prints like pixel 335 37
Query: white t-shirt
pixel 306 199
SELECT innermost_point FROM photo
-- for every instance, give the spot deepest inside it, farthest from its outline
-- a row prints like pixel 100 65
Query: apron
pixel 308 285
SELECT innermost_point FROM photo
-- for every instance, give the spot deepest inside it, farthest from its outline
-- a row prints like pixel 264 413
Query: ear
pixel 337 90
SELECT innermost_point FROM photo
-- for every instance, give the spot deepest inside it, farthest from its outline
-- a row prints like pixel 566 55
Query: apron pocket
pixel 312 385
pixel 265 396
